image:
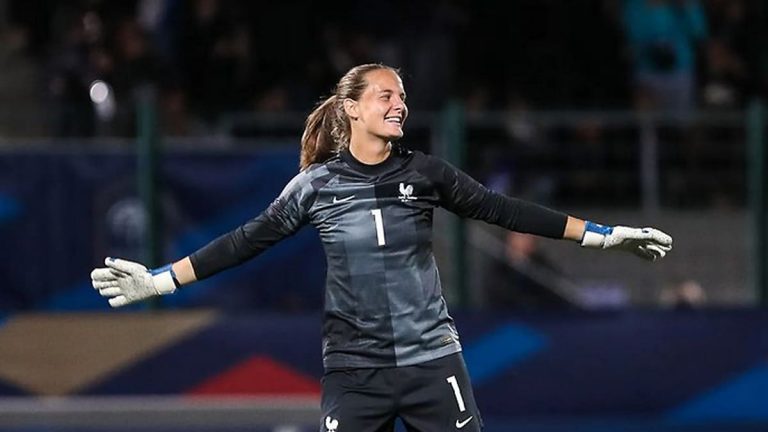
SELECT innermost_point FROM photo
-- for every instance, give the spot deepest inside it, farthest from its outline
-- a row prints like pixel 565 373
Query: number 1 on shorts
pixel 457 392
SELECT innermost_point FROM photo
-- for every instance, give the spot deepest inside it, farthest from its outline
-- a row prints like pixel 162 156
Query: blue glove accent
pixel 166 268
pixel 597 228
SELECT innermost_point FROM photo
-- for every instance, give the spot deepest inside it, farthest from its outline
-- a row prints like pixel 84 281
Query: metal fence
pixel 688 175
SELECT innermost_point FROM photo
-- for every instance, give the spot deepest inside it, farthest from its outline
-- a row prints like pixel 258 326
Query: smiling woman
pixel 390 348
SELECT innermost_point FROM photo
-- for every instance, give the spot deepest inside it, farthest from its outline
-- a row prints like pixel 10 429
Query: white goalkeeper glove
pixel 126 282
pixel 648 243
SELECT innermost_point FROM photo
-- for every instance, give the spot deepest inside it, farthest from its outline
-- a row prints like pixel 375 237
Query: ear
pixel 351 108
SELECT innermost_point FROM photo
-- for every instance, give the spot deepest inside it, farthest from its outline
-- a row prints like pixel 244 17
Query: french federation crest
pixel 331 424
pixel 406 193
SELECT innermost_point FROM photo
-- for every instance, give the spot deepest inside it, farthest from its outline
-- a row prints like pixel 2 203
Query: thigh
pixel 358 400
pixel 437 397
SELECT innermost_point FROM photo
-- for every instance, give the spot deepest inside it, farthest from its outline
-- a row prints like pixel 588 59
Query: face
pixel 381 109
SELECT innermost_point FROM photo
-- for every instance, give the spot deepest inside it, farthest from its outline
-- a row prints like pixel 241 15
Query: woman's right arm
pixel 284 216
pixel 125 282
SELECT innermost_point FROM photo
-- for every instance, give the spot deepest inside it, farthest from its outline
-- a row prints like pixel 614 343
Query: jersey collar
pixel 392 161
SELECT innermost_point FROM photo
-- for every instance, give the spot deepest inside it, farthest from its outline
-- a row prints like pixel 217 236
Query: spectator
pixel 19 84
pixel 663 37
pixel 136 66
pixel 215 57
pixel 71 73
pixel 685 294
pixel 727 71
pixel 528 145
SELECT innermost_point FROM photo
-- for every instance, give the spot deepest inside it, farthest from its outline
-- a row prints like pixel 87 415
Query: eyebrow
pixel 402 94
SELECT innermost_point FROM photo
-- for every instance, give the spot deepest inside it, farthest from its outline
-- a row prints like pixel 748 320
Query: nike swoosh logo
pixel 337 200
pixel 461 424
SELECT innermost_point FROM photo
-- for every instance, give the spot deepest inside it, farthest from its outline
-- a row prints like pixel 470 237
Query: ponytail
pixel 323 132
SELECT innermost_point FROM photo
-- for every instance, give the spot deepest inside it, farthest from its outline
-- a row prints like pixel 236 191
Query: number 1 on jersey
pixel 379 221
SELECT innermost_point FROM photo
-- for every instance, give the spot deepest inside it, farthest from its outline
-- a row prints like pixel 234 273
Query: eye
pixel 385 97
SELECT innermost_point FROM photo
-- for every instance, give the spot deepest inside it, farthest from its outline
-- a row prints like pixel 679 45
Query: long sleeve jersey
pixel 383 300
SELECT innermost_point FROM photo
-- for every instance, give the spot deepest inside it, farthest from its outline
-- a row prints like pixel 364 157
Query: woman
pixel 390 349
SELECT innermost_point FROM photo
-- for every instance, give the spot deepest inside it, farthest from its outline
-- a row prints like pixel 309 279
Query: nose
pixel 399 106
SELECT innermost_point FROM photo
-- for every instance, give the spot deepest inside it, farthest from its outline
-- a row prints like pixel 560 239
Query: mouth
pixel 397 120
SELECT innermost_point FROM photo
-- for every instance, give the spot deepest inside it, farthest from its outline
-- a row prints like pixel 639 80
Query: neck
pixel 370 152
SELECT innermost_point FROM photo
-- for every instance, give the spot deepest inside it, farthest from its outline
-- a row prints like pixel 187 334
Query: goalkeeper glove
pixel 126 282
pixel 648 243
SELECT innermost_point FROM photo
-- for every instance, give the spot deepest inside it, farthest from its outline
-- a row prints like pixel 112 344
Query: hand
pixel 647 243
pixel 126 282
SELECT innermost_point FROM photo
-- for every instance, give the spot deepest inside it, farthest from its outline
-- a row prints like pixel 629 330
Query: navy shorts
pixel 435 396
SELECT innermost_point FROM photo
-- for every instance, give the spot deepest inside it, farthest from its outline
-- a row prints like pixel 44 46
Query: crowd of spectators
pixel 208 58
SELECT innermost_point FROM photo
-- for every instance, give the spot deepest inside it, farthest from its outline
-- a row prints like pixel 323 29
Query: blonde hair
pixel 327 128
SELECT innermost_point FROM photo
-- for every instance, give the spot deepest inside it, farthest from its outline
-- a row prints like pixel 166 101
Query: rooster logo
pixel 331 424
pixel 406 192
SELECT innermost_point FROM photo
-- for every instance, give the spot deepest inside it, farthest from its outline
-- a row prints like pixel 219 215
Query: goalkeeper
pixel 390 348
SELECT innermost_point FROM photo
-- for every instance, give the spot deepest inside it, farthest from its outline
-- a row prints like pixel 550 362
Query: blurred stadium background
pixel 145 128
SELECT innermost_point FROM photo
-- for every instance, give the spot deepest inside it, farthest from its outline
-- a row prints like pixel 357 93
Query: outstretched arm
pixel 466 197
pixel 125 282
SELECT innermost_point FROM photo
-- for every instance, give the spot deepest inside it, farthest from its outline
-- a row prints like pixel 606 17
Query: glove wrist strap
pixel 164 279
pixel 594 234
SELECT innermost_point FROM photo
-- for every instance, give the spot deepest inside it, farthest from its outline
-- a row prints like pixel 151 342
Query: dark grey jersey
pixel 383 302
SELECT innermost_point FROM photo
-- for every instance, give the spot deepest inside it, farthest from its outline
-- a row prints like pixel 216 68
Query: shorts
pixel 435 396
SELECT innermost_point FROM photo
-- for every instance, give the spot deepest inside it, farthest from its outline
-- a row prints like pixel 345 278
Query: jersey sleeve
pixel 466 197
pixel 284 216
